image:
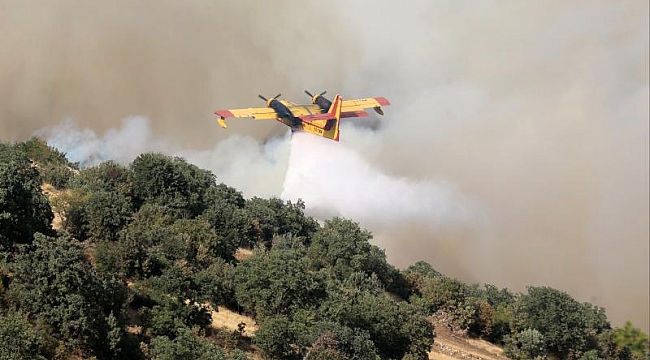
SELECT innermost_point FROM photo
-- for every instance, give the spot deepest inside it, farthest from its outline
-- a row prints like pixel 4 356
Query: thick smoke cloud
pixel 515 150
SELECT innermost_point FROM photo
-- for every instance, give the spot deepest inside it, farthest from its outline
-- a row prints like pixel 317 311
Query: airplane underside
pixel 329 130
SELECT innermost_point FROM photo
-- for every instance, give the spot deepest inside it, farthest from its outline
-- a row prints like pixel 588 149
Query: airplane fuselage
pixel 286 117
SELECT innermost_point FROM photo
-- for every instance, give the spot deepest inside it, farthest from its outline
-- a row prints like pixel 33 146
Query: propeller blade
pixel 277 96
pixel 263 98
pixel 308 93
pixel 323 93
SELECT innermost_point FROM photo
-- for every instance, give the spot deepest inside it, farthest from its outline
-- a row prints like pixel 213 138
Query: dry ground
pixel 448 346
pixel 52 193
pixel 231 320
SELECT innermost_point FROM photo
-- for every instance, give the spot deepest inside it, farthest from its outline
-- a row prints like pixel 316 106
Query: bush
pixel 525 345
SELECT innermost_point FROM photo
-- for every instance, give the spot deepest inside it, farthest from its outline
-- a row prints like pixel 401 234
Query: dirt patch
pixel 449 346
pixel 243 254
pixel 52 193
pixel 224 318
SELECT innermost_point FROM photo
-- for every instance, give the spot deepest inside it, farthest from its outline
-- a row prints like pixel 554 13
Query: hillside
pixel 135 260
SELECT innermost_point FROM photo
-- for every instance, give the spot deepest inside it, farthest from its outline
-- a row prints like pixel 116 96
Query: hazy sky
pixel 515 150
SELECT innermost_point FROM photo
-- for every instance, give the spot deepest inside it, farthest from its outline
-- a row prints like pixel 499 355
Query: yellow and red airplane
pixel 322 117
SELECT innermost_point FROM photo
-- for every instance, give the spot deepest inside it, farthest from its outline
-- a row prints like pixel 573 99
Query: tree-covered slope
pixel 146 252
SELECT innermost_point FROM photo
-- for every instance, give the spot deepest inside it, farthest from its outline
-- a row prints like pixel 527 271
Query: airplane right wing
pixel 359 105
pixel 265 113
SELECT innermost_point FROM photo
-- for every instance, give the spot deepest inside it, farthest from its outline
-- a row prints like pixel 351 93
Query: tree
pixel 203 245
pixel 277 282
pixel 171 182
pixel 53 281
pixel 51 163
pixel 216 283
pixel 173 302
pixel 226 214
pixel 525 345
pixel 567 325
pixel 345 248
pixel 24 210
pixel 271 217
pixel 331 340
pixel 396 328
pixel 38 150
pixel 107 176
pixel 633 339
pixel 184 346
pixel 275 339
pixel 106 213
pixel 138 251
pixel 18 340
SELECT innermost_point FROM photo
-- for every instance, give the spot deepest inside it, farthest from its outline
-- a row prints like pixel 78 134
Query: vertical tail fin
pixel 335 113
pixel 335 108
pixel 325 124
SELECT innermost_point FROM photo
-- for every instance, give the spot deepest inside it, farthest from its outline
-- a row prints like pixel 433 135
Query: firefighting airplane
pixel 322 117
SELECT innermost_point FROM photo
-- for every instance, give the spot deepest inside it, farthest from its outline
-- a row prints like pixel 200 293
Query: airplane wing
pixel 265 113
pixel 358 105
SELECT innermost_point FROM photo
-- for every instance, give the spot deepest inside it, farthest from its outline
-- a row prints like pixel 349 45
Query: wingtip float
pixel 322 117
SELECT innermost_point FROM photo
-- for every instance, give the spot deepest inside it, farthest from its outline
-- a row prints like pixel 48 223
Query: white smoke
pixel 253 167
pixel 84 146
pixel 335 180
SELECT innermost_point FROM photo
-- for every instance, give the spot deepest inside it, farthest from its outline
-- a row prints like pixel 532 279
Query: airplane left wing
pixel 265 113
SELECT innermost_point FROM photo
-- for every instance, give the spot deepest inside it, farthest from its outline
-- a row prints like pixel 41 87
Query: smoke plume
pixel 515 150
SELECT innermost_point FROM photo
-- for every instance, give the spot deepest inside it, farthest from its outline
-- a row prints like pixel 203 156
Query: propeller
pixel 321 94
pixel 271 99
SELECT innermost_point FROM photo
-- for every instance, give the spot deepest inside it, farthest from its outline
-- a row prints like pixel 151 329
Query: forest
pixel 131 262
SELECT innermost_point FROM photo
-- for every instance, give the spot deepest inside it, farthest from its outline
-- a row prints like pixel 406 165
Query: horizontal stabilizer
pixel 352 114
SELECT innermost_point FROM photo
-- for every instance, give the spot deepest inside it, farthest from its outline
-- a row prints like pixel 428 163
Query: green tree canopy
pixel 342 246
pixel 171 182
pixel 271 217
pixel 525 345
pixel 226 214
pixel 107 176
pixel 105 213
pixel 24 210
pixel 18 339
pixel 184 346
pixel 396 328
pixel 568 327
pixel 53 281
pixel 633 339
pixel 277 282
